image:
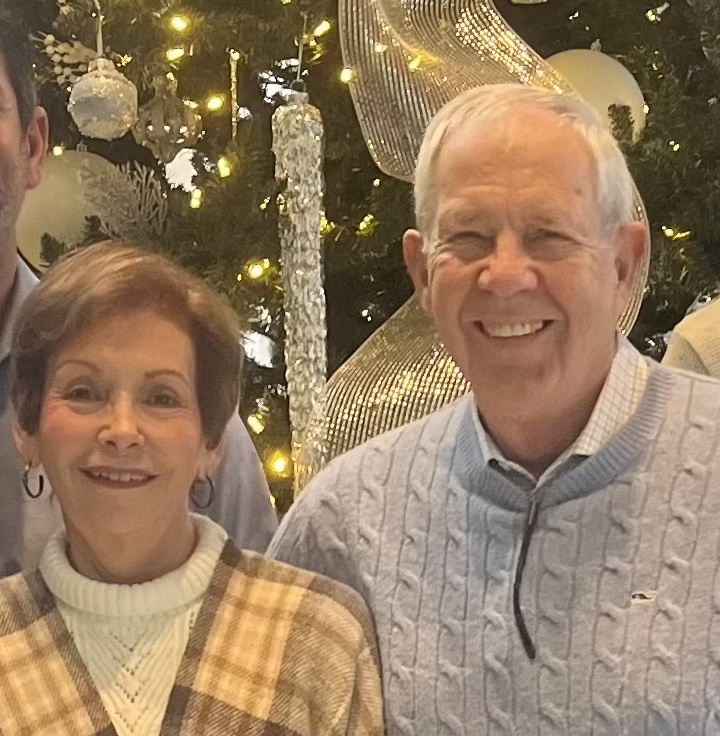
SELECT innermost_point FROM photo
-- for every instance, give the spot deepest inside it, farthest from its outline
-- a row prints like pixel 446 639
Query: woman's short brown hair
pixel 108 279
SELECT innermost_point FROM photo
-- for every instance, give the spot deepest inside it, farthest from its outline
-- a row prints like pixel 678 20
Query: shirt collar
pixel 618 400
pixel 25 281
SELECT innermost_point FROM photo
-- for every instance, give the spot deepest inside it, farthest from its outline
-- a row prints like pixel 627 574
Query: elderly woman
pixel 143 618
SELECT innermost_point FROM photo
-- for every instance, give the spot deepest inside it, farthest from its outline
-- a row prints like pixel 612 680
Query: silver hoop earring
pixel 210 493
pixel 26 482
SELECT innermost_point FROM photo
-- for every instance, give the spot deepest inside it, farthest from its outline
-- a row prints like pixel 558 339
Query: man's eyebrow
pixel 461 218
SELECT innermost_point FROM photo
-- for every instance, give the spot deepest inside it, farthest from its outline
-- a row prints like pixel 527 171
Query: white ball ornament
pixel 601 81
pixel 103 103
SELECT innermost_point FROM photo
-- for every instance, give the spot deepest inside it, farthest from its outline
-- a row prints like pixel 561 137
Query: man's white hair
pixel 489 105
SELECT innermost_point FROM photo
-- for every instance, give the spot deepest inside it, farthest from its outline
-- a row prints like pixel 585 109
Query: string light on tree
pixel 58 150
pixel 654 15
pixel 196 199
pixel 326 227
pixel 322 29
pixel 674 234
pixel 175 54
pixel 215 103
pixel 257 269
pixel 367 225
pixel 179 23
pixel 256 422
pixel 224 167
pixel 279 465
pixel 347 75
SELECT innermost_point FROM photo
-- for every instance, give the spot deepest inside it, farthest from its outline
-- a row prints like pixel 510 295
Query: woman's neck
pixel 128 559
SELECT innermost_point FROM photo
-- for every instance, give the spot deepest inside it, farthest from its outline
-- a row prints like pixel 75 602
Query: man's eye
pixel 543 234
pixel 549 244
pixel 471 244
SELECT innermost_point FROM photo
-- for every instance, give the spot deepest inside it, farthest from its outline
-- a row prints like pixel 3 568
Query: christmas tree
pixel 226 228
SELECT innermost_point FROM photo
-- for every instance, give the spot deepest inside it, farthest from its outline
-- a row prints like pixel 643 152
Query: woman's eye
pixel 163 399
pixel 81 393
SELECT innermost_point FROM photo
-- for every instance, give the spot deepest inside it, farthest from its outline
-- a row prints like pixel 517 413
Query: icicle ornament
pixel 298 147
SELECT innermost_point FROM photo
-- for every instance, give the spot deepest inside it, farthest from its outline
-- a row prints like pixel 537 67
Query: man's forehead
pixel 534 211
pixel 519 156
pixel 503 132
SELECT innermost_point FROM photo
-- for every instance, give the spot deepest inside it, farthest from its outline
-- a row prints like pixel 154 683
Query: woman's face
pixel 120 436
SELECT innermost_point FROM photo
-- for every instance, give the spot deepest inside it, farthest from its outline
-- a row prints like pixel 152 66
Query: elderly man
pixel 541 556
pixel 241 502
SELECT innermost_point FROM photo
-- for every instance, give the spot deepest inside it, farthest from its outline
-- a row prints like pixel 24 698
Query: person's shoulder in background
pixel 695 342
pixel 242 504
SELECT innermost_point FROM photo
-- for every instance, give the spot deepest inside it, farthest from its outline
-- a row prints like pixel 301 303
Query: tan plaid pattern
pixel 617 402
pixel 275 651
pixel 43 687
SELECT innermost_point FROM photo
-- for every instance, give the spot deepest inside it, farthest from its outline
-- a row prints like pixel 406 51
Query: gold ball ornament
pixel 601 81
pixel 61 203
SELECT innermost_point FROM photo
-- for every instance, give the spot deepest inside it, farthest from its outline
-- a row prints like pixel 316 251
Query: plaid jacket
pixel 275 651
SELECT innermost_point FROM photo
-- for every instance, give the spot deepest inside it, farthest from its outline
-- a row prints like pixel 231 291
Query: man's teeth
pixel 512 330
pixel 121 477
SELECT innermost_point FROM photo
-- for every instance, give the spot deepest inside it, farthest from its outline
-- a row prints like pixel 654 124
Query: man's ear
pixel 36 138
pixel 27 445
pixel 632 248
pixel 416 263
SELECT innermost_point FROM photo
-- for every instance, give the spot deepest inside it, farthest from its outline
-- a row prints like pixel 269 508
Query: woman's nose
pixel 121 428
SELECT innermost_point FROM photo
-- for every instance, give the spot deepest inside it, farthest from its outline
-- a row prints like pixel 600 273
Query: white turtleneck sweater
pixel 132 637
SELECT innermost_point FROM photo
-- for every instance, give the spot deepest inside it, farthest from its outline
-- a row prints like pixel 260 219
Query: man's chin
pixel 512 384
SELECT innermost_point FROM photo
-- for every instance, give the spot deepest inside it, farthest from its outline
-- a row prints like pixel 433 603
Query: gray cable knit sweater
pixel 621 591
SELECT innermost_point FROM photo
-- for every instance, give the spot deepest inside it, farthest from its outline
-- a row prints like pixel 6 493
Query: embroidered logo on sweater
pixel 643 596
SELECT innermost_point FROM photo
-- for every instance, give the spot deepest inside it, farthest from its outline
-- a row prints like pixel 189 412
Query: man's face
pixel 21 156
pixel 525 286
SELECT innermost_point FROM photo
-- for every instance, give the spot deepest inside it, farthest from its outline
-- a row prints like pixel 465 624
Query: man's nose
pixel 508 270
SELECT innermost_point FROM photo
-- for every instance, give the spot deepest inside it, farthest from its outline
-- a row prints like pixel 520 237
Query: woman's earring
pixel 210 494
pixel 26 482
